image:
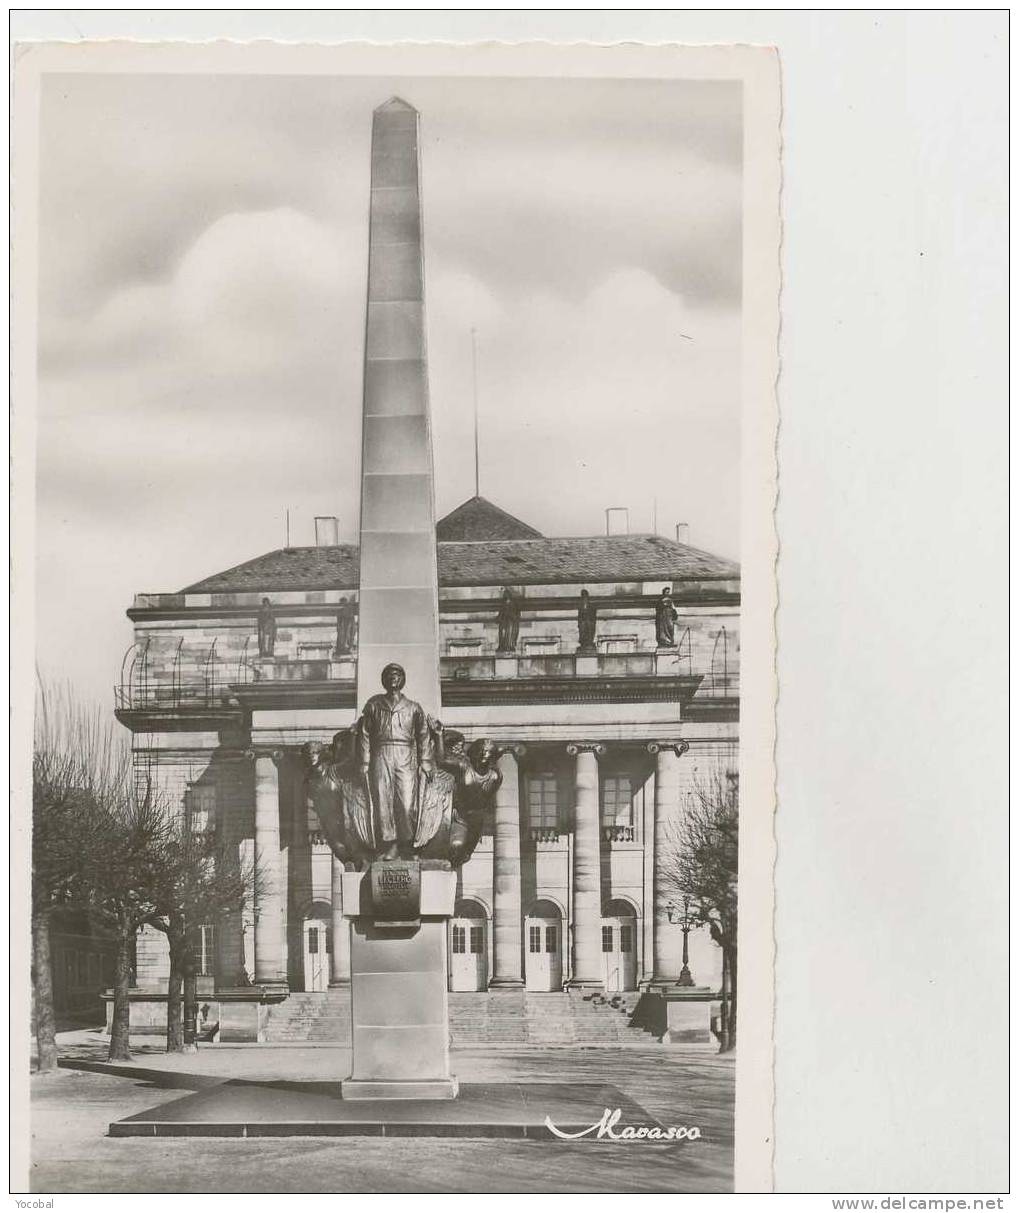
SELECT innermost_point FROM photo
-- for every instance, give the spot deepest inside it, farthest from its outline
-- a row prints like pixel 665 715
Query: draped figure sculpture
pixel 396 784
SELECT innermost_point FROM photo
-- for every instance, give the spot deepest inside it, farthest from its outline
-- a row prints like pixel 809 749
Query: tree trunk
pixel 42 988
pixel 120 1045
pixel 190 998
pixel 174 1035
pixel 728 1043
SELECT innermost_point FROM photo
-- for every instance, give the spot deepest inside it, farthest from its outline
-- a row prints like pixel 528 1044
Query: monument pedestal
pixel 398 1001
pixel 688 1013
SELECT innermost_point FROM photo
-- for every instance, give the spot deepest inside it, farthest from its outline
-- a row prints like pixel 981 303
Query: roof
pixel 478 521
pixel 540 561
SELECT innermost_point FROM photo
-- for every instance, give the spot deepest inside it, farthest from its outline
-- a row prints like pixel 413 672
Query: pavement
pixel 73 1108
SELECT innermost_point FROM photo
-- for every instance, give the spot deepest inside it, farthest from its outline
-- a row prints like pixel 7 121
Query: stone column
pixel 507 953
pixel 269 902
pixel 667 956
pixel 339 974
pixel 587 962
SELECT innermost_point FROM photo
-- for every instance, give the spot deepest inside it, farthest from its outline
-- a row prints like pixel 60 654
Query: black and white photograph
pixel 400 800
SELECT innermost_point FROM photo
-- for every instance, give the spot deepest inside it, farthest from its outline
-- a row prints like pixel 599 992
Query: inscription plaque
pixel 395 892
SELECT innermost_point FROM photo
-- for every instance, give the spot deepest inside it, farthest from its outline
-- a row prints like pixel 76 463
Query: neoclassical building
pixel 605 746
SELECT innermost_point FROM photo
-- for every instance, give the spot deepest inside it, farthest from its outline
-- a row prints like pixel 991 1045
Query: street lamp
pixel 686 925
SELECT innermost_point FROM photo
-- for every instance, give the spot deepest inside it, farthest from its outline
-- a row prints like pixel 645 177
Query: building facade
pixel 605 744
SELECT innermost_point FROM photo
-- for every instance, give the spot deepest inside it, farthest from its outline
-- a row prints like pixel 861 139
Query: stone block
pixel 390 502
pixel 506 667
pixel 395 272
pixel 438 896
pixel 688 1017
pixel 395 330
pixel 241 1021
pixel 587 665
pixel 395 386
pixel 397 617
pixel 395 218
pixel 383 1000
pixel 397 446
pixel 419 661
pixel 667 662
pixel 446 1088
pixel 392 558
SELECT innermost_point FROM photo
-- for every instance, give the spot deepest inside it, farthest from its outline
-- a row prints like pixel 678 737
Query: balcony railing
pixel 544 834
pixel 617 833
pixel 190 679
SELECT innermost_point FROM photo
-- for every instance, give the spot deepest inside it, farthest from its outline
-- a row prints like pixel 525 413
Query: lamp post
pixel 686 924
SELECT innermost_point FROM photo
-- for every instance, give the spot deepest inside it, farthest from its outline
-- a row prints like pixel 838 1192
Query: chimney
pixel 683 532
pixel 617 520
pixel 327 532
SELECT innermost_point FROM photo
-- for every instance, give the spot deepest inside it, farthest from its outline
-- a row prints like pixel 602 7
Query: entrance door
pixel 544 965
pixel 316 955
pixel 619 954
pixel 468 959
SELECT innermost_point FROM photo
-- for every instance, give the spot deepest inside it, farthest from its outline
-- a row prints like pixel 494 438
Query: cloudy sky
pixel 203 256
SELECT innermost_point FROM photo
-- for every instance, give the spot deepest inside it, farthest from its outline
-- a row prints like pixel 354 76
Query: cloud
pixel 252 289
pixel 202 280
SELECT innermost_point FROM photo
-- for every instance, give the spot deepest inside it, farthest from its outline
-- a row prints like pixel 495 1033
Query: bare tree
pixel 124 890
pixel 201 881
pixel 701 862
pixel 79 765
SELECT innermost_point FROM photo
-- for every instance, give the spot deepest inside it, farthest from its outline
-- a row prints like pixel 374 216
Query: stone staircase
pixel 310 1017
pixel 517 1017
pixel 503 1017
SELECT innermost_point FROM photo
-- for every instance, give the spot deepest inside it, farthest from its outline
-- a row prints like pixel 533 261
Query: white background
pixel 891 880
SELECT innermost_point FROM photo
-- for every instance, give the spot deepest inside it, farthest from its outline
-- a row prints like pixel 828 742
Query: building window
pixel 313 941
pixel 606 939
pixel 469 647
pixel 314 651
pixel 540 646
pixel 459 940
pixel 542 805
pixel 206 950
pixel 534 939
pixel 200 806
pixel 626 939
pixel 477 940
pixel 617 800
pixel 552 940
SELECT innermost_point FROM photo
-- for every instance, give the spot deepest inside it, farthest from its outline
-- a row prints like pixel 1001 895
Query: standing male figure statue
pixel 665 620
pixel 395 754
pixel 587 623
pixel 509 623
pixel 266 629
pixel 344 627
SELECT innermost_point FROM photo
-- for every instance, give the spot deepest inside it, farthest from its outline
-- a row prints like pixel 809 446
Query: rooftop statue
pixel 665 620
pixel 509 623
pixel 587 623
pixel 345 623
pixel 266 629
pixel 396 784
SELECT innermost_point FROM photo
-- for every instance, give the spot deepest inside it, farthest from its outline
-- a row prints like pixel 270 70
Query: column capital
pixel 273 752
pixel 516 748
pixel 584 747
pixel 679 748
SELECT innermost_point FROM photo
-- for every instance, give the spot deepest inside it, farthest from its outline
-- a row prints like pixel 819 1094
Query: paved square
pixel 72 1111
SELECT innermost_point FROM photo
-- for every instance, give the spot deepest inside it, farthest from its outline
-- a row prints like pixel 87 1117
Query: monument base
pixel 445 1088
pixel 399 1007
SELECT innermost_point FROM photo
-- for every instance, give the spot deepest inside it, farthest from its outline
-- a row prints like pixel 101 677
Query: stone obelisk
pixel 398 599
pixel 398 913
